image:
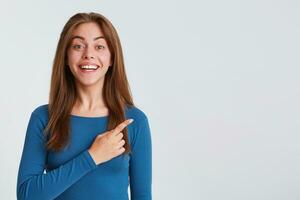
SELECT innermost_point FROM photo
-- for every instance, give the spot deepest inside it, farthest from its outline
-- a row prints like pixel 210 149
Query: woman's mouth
pixel 88 68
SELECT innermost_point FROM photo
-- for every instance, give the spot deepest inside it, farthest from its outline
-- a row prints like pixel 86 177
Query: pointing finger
pixel 121 126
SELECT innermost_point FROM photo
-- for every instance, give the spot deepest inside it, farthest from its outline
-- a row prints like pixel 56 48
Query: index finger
pixel 121 126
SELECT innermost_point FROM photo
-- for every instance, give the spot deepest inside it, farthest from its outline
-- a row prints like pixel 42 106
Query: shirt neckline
pixel 86 117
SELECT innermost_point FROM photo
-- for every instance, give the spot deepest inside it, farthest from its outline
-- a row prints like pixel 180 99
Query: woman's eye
pixel 100 47
pixel 77 46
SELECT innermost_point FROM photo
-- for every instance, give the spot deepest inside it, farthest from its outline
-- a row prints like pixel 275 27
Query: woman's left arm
pixel 140 164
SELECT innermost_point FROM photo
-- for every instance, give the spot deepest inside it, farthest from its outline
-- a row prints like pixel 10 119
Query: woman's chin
pixel 89 83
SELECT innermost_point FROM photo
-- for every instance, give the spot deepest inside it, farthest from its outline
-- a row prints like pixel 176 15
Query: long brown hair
pixel 63 94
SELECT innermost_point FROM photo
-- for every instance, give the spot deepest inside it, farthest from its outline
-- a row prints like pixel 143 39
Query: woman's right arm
pixel 32 183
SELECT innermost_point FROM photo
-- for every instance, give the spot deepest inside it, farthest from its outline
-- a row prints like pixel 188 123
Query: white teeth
pixel 88 67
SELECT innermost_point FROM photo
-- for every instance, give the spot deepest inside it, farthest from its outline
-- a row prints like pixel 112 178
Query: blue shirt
pixel 72 174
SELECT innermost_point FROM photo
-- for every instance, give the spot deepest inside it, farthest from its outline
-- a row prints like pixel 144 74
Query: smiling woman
pixel 91 139
pixel 85 44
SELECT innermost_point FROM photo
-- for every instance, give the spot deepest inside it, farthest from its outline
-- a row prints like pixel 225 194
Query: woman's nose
pixel 88 53
pixel 87 56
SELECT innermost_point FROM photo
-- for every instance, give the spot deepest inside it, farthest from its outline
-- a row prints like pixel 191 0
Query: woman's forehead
pixel 87 31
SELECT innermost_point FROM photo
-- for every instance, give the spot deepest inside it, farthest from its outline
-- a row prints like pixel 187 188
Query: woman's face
pixel 88 54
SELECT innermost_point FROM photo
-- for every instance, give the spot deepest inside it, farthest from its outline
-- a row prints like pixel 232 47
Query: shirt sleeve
pixel 140 168
pixel 32 182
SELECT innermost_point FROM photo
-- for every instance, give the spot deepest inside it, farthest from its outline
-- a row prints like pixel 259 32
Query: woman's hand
pixel 109 144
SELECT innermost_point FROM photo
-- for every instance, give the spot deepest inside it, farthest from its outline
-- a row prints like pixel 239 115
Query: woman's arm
pixel 32 183
pixel 140 168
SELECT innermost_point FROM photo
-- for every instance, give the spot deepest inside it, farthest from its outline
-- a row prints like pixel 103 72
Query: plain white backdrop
pixel 218 80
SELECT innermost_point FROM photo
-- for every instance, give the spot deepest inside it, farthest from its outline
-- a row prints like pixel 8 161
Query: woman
pixel 84 138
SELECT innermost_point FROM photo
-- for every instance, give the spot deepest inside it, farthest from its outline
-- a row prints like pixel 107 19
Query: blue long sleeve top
pixel 72 174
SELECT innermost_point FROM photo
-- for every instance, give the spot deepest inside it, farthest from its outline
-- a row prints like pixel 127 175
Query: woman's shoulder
pixel 136 113
pixel 41 111
pixel 139 130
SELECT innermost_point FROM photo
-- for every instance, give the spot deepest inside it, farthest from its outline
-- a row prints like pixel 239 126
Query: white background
pixel 218 80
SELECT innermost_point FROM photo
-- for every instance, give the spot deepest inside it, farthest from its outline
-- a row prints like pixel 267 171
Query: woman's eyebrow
pixel 82 38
